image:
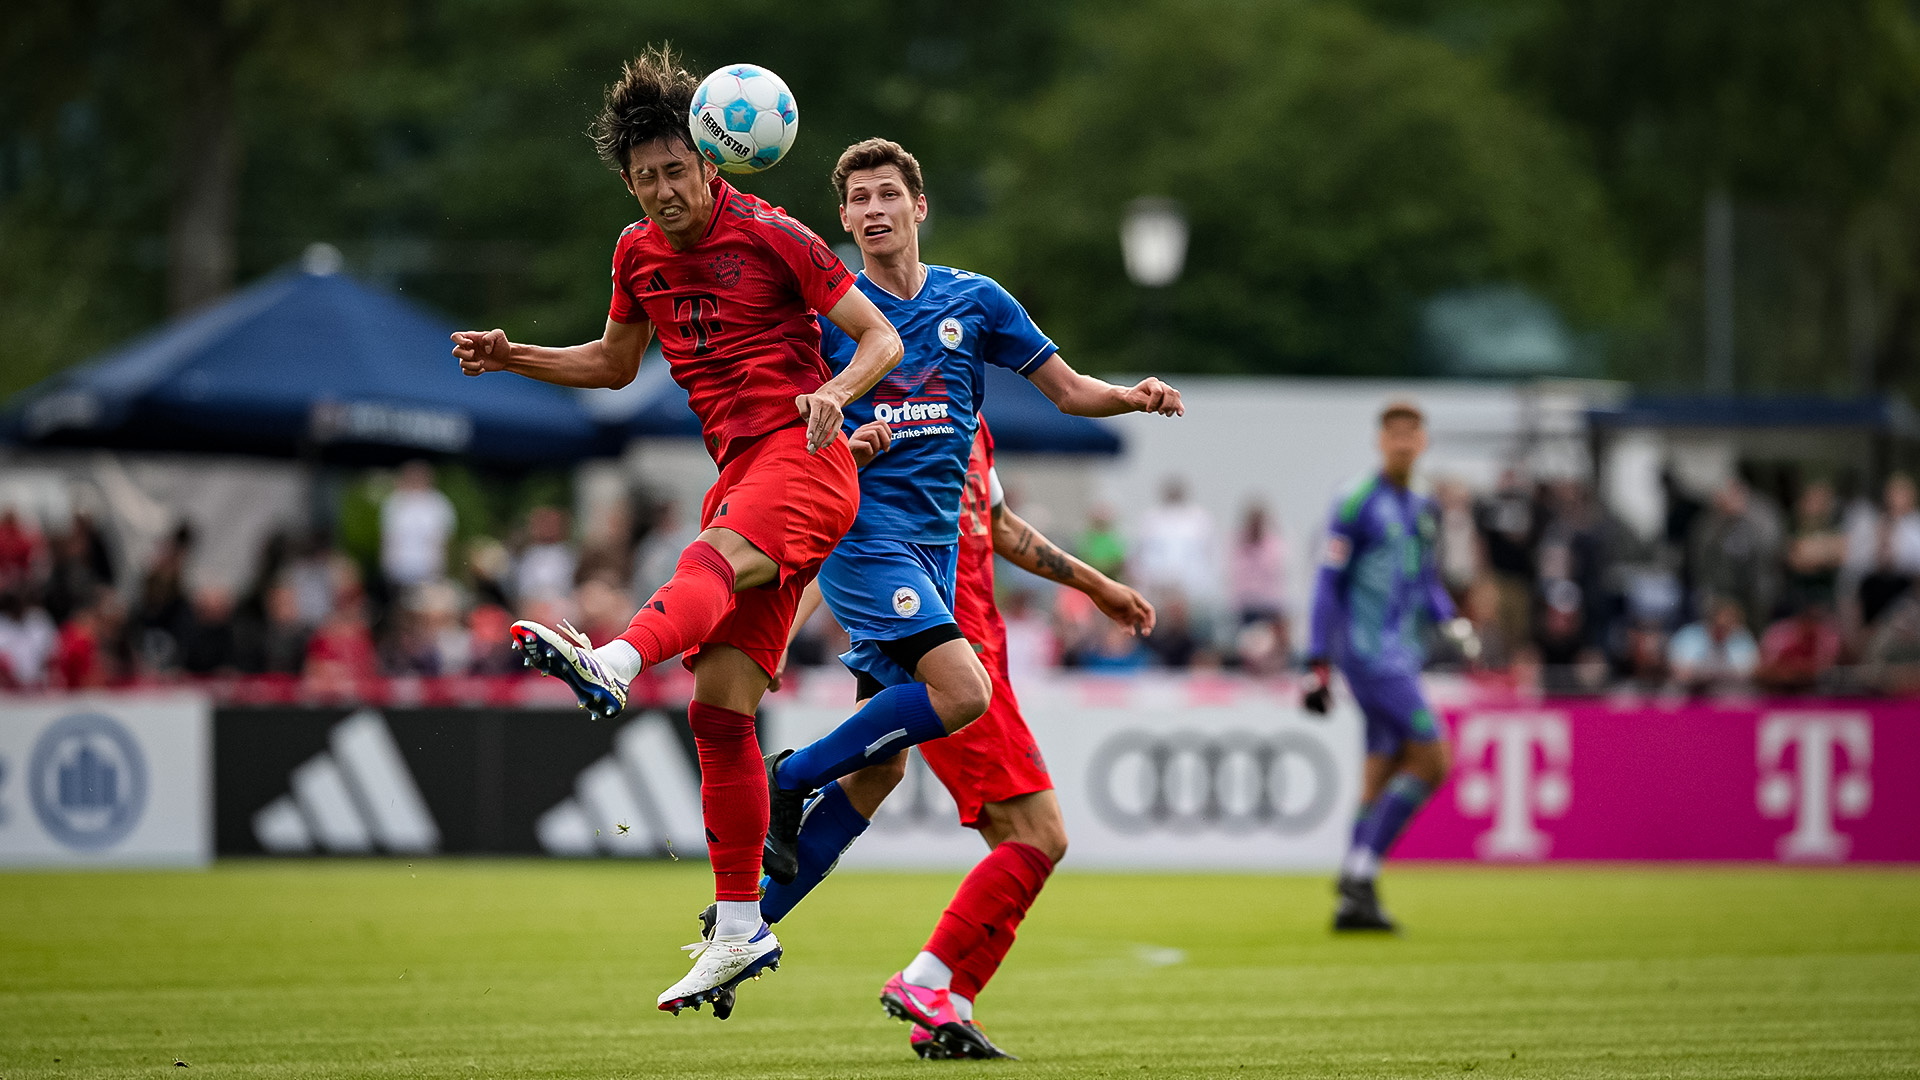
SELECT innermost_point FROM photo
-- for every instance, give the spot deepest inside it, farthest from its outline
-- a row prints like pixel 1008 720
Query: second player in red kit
pixel 733 286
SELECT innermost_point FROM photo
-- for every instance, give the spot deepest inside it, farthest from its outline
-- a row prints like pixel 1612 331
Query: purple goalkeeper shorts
pixel 1397 712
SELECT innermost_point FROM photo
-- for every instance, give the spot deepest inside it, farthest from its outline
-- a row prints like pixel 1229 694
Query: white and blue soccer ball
pixel 743 119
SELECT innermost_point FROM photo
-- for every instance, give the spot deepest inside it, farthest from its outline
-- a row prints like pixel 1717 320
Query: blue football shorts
pixel 885 590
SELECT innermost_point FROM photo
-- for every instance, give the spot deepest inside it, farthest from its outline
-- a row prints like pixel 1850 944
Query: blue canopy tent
pixel 1866 435
pixel 310 365
pixel 1022 418
pixel 1887 415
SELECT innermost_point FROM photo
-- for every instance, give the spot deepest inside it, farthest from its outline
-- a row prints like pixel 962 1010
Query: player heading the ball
pixel 733 284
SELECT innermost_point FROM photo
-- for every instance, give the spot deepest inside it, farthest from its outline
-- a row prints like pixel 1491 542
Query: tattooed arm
pixel 1022 545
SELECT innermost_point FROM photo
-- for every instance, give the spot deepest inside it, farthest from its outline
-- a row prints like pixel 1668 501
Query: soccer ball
pixel 743 118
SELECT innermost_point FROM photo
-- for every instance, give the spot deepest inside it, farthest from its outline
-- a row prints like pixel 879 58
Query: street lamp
pixel 1153 241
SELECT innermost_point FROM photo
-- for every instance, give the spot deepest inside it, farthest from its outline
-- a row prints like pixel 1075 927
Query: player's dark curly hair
pixel 650 101
pixel 876 154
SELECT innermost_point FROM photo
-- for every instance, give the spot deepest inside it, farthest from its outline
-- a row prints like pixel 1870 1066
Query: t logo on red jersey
pixel 695 312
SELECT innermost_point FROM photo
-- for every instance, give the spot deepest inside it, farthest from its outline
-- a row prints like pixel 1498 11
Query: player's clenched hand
pixel 869 441
pixel 480 351
pixel 1152 395
pixel 822 414
pixel 1126 607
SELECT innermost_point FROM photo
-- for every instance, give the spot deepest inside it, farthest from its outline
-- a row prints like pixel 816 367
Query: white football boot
pixel 567 655
pixel 719 965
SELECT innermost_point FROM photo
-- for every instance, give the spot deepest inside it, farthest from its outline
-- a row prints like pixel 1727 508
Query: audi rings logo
pixel 1234 782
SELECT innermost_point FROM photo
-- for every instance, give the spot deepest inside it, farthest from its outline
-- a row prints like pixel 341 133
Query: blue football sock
pixel 1360 817
pixel 893 719
pixel 1395 807
pixel 829 828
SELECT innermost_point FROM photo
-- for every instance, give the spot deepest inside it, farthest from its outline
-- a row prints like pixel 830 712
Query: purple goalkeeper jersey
pixel 1377 580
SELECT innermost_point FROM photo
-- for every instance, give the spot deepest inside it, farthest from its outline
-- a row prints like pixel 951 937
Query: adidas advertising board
pixel 105 781
pixel 370 781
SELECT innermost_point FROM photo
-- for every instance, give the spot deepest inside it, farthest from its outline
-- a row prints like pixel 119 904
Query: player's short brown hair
pixel 1402 410
pixel 650 101
pixel 876 154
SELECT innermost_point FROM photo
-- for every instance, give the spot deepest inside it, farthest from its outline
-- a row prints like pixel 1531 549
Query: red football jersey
pixel 973 607
pixel 734 312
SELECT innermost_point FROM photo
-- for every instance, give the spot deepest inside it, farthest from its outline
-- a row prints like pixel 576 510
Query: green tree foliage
pixel 1340 160
pixel 1801 112
pixel 457 167
pixel 440 144
pixel 1336 172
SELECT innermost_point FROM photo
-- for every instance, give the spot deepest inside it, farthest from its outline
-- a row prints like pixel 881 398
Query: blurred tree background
pixel 1359 175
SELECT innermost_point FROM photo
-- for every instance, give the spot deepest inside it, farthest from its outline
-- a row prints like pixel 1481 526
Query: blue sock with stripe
pixel 830 826
pixel 892 720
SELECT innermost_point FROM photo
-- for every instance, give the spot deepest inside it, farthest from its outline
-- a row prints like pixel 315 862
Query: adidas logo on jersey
pixel 353 798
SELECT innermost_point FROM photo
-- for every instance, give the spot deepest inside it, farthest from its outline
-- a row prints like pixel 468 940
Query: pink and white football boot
pixel 931 1011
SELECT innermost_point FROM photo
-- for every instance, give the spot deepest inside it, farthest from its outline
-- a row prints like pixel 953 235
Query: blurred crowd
pixel 1770 583
pixel 1767 584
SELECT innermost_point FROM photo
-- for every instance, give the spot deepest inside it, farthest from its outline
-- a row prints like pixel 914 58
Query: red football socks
pixel 686 608
pixel 977 929
pixel 733 798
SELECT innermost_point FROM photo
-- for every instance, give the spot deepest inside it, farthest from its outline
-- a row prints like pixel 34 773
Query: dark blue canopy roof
pixel 1022 418
pixel 1885 414
pixel 306 362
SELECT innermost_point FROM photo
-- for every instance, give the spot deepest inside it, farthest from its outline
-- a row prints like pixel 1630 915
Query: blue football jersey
pixel 959 323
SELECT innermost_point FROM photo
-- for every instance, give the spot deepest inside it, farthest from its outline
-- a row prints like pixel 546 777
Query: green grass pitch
pixel 549 969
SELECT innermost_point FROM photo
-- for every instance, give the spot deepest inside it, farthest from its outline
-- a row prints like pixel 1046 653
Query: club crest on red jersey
pixel 726 269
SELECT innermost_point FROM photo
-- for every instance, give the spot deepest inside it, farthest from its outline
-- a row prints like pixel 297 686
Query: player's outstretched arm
pixel 876 351
pixel 1022 545
pixel 1083 395
pixel 612 361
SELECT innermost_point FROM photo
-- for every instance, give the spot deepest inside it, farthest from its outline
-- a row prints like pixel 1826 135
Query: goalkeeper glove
pixel 1316 694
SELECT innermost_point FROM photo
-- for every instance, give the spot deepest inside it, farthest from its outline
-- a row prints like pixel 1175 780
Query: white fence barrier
pixel 1173 774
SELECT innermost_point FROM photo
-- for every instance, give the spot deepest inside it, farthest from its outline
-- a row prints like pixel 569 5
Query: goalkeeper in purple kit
pixel 1377 585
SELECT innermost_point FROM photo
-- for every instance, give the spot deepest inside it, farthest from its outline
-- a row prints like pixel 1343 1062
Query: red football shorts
pixel 991 760
pixel 793 506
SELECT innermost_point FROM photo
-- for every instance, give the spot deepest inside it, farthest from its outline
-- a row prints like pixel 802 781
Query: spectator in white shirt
pixel 1901 521
pixel 28 639
pixel 545 570
pixel 416 521
pixel 1175 556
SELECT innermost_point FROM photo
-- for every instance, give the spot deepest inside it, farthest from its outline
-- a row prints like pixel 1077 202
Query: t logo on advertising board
pixel 1527 775
pixel 1809 784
